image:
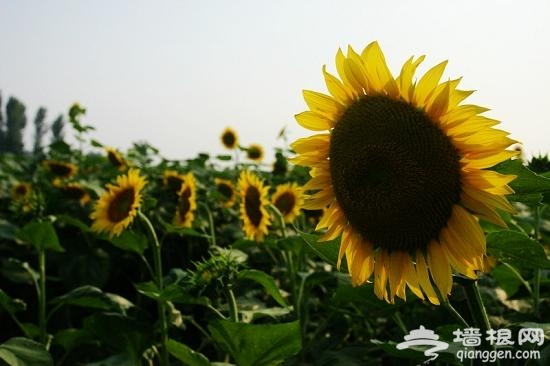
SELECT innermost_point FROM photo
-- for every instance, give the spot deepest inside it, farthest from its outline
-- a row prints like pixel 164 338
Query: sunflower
pixel 253 206
pixel 229 138
pixel 173 180
pixel 255 152
pixel 116 158
pixel 401 169
pixel 118 206
pixel 76 191
pixel 60 168
pixel 187 202
pixel 288 199
pixel 21 191
pixel 227 193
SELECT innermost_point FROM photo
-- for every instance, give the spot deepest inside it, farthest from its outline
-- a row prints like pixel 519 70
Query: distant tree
pixel 57 129
pixel 2 133
pixel 40 129
pixel 15 125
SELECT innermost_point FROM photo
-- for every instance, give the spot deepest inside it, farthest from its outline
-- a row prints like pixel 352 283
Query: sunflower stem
pixel 477 308
pixel 212 238
pixel 537 273
pixel 42 297
pixel 450 308
pixel 159 280
pixel 232 303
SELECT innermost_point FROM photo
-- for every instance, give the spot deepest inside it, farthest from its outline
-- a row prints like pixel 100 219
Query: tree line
pixel 13 120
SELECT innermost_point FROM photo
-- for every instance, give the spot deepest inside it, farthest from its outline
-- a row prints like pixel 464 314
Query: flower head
pixel 229 138
pixel 226 190
pixel 253 206
pixel 187 202
pixel 118 206
pixel 288 198
pixel 401 166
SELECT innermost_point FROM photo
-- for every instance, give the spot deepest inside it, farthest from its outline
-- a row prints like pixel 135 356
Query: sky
pixel 176 73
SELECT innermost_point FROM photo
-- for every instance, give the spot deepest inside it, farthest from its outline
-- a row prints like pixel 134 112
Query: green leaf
pixel 8 230
pixel 10 305
pixel 172 292
pixel 122 333
pixel 326 250
pixel 224 157
pixel 506 279
pixel 18 272
pixel 517 249
pixel 41 234
pixel 93 298
pixel 417 352
pixel 73 222
pixel 186 354
pixel 130 241
pixel 24 352
pixel 257 344
pixel 528 186
pixel 266 281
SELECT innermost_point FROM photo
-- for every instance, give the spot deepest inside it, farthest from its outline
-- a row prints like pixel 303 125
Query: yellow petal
pixel 310 144
pixel 405 78
pixel 322 103
pixel 428 83
pixel 338 90
pixel 424 278
pixel 314 121
pixel 440 268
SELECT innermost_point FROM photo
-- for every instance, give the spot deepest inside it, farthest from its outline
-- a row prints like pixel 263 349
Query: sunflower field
pixel 406 230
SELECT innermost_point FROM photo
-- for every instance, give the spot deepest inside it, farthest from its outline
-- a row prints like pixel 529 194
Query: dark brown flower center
pixel 174 183
pixel 115 158
pixel 226 190
pixel 254 153
pixel 184 203
pixel 229 139
pixel 252 204
pixel 121 205
pixel 61 169
pixel 396 175
pixel 285 202
pixel 74 192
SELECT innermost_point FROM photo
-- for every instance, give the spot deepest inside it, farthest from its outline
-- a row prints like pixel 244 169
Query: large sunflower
pixel 402 172
pixel 118 206
pixel 288 199
pixel 253 206
pixel 187 202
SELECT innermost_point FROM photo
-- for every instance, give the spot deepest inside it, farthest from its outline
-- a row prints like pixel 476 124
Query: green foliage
pixel 24 352
pixel 263 344
pixel 220 298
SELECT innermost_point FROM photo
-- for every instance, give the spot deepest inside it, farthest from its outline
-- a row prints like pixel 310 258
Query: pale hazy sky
pixel 175 73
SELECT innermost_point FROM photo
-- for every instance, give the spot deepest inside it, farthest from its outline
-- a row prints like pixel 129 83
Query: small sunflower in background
pixel 76 191
pixel 173 180
pixel 226 190
pixel 116 159
pixel 187 202
pixel 229 138
pixel 253 207
pixel 255 152
pixel 288 198
pixel 118 206
pixel 401 167
pixel 21 191
pixel 60 169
